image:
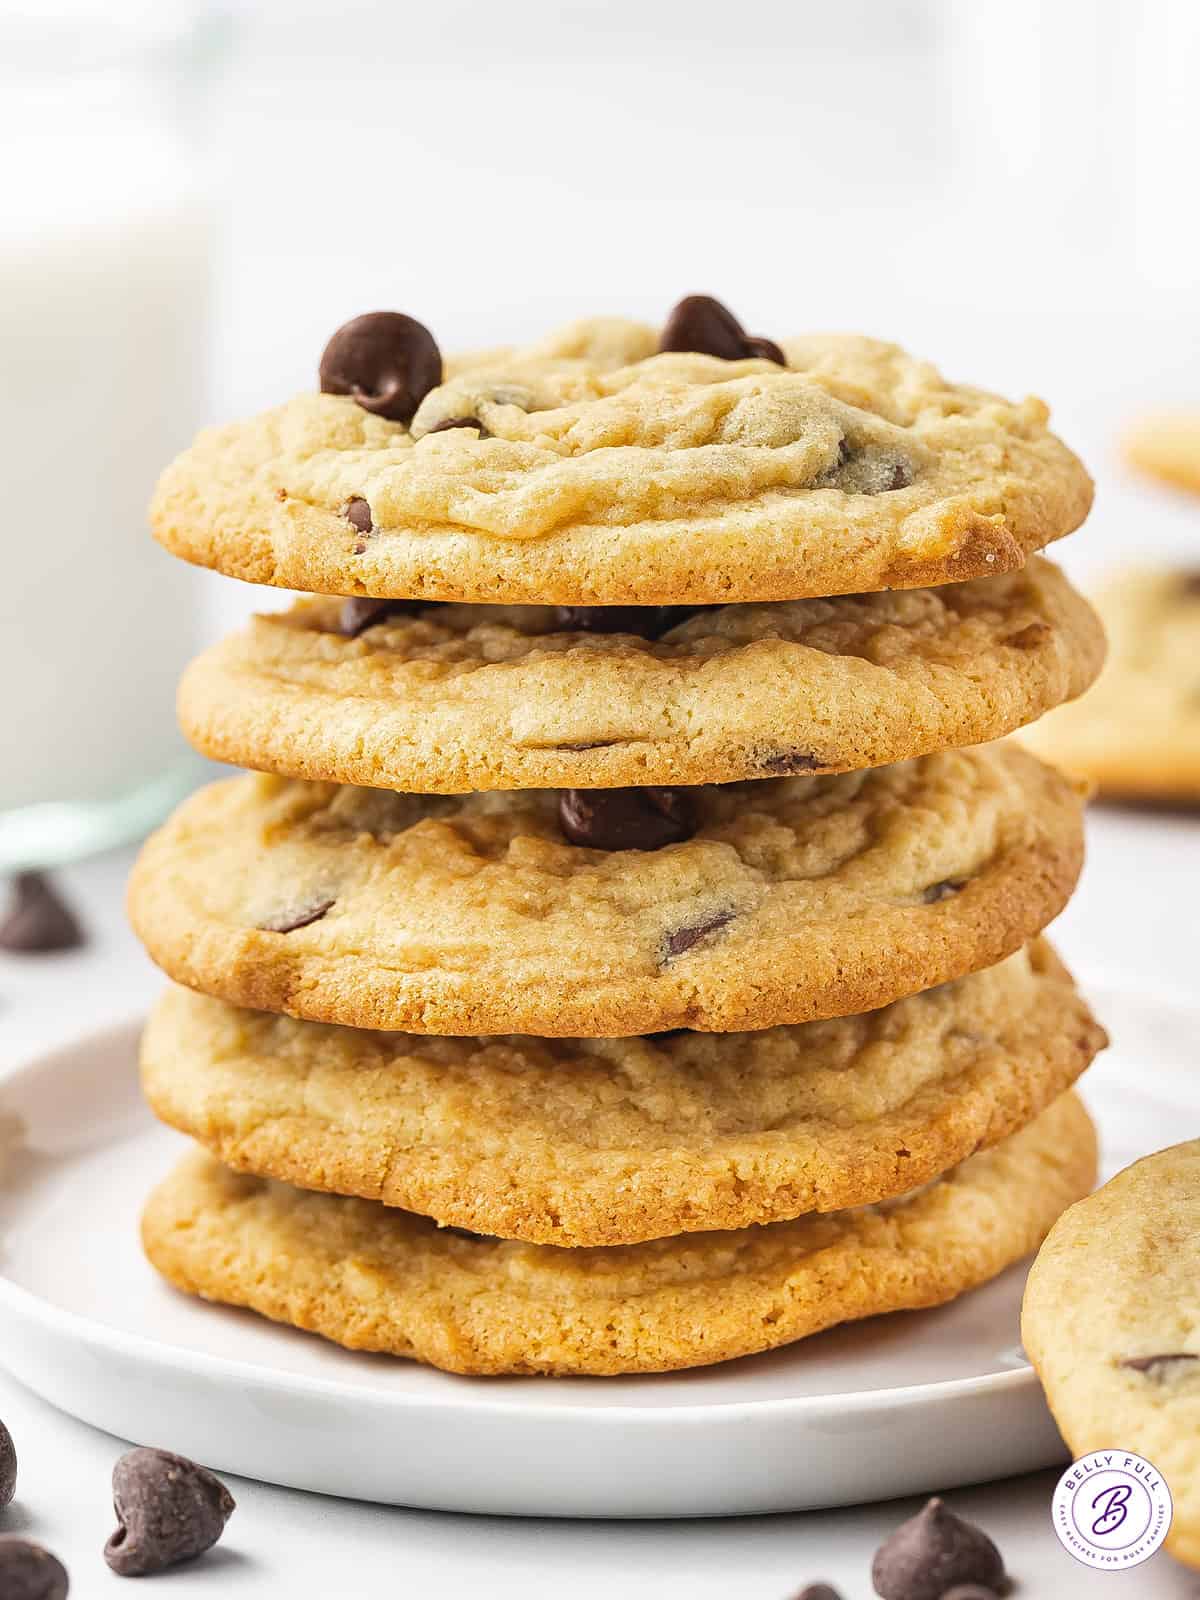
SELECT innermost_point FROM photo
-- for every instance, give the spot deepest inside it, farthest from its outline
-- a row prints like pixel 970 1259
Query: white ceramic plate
pixel 903 1404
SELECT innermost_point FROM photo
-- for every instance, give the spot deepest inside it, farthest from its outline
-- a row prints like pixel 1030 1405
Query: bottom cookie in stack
pixel 370 1277
pixel 865 1164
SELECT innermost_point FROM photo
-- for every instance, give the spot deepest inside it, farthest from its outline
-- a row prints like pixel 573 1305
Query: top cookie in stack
pixel 651 691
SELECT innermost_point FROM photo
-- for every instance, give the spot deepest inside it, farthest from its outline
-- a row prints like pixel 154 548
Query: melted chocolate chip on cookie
pixel 684 939
pixel 700 325
pixel 459 422
pixel 946 890
pixel 1162 1367
pixel 356 616
pixel 645 622
pixel 302 917
pixel 386 362
pixel 626 819
pixel 787 763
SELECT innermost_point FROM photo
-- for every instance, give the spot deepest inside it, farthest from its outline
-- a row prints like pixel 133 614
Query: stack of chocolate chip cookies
pixel 627 952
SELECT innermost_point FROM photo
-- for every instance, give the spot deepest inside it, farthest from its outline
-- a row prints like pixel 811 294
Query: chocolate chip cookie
pixel 449 698
pixel 1166 445
pixel 608 911
pixel 1112 1323
pixel 615 464
pixel 611 1141
pixel 374 1278
pixel 1136 735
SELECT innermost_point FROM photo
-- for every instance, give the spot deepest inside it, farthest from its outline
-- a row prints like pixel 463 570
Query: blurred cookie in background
pixel 1166 445
pixel 1136 735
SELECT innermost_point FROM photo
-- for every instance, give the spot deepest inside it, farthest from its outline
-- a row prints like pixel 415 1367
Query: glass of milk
pixel 105 243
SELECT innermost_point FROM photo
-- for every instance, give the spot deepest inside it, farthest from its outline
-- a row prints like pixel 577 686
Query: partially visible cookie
pixel 593 469
pixel 1136 734
pixel 1166 445
pixel 1112 1323
pixel 444 699
pixel 610 1141
pixel 373 1278
pixel 782 900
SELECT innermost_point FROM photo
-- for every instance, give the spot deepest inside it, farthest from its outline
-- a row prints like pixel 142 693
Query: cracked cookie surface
pixel 611 1141
pixel 1136 735
pixel 373 1278
pixel 600 472
pixel 461 697
pixel 795 898
pixel 1112 1323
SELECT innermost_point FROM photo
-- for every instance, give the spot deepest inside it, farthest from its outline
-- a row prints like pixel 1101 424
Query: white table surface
pixel 1133 923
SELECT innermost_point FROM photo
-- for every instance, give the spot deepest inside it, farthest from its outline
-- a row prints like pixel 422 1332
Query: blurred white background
pixel 1006 186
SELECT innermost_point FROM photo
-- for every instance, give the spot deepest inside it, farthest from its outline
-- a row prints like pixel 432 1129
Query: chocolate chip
pixel 38 921
pixel 27 1572
pixel 8 1467
pixel 703 326
pixel 168 1510
pixel 646 622
pixel 785 762
pixel 1189 584
pixel 626 819
pixel 459 422
pixel 945 890
pixel 684 938
pixel 358 514
pixel 933 1551
pixel 970 1591
pixel 384 361
pixel 900 477
pixel 818 1591
pixel 356 616
pixel 289 921
pixel 1029 638
pixel 1161 1367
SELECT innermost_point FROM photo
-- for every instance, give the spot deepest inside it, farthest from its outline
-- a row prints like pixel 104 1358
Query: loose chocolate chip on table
pixel 626 819
pixel 1189 583
pixel 1162 1367
pixel 932 1552
pixel 384 361
pixel 701 325
pixel 168 1509
pixel 289 921
pixel 646 622
pixel 8 1467
pixel 818 1591
pixel 27 1572
pixel 946 890
pixel 683 939
pixel 38 921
